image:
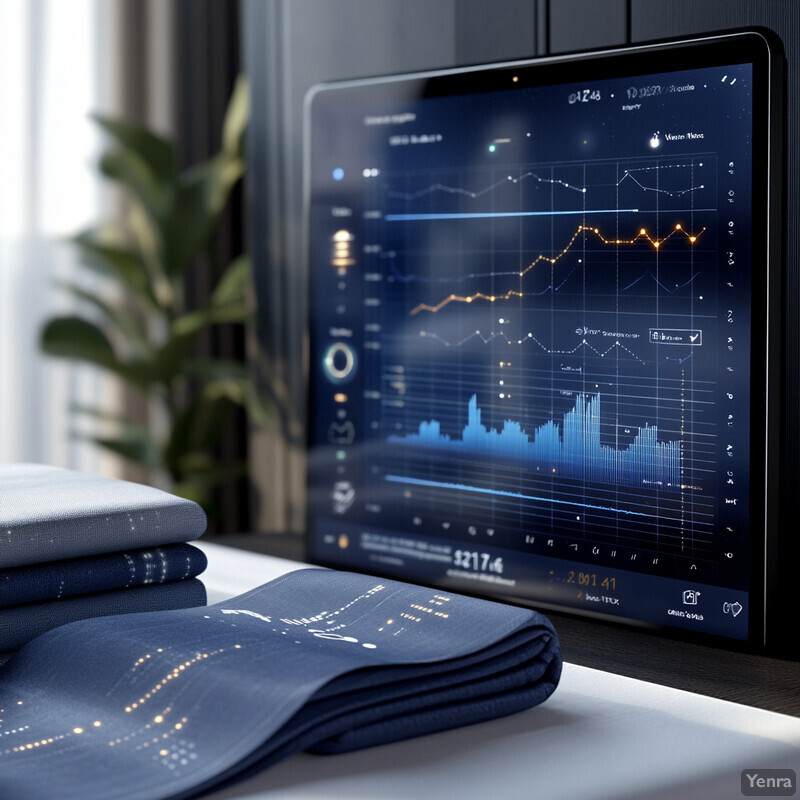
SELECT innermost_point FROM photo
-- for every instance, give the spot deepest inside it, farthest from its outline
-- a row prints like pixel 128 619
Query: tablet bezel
pixel 763 49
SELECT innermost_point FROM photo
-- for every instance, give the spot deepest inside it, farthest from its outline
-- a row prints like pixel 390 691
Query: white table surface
pixel 599 736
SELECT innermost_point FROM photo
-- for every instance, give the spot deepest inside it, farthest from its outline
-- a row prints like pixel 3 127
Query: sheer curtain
pixel 54 70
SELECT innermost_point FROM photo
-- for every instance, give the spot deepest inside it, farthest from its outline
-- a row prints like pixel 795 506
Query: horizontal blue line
pixel 489 214
pixel 462 487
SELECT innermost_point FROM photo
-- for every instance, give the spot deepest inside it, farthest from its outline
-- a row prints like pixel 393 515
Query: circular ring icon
pixel 339 362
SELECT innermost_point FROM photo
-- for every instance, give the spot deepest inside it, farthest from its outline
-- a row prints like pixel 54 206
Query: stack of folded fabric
pixel 74 546
pixel 170 705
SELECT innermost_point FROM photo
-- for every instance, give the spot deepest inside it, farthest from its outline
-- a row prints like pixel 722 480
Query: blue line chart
pixel 501 214
pixel 503 493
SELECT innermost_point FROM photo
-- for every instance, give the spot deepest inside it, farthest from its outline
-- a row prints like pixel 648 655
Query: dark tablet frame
pixel 771 547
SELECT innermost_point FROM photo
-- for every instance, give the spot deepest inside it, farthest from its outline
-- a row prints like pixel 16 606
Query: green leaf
pixel 120 263
pixel 233 390
pixel 128 169
pixel 157 153
pixel 211 421
pixel 196 428
pixel 138 450
pixel 179 439
pixel 261 410
pixel 128 425
pixel 135 440
pixel 168 362
pixel 75 337
pixel 234 285
pixel 197 320
pixel 225 176
pixel 202 191
pixel 237 386
pixel 196 492
pixel 128 323
pixel 205 472
pixel 150 238
pixel 216 369
pixel 192 219
pixel 201 194
pixel 236 118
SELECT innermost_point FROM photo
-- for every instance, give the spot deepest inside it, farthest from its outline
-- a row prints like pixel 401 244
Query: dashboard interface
pixel 537 332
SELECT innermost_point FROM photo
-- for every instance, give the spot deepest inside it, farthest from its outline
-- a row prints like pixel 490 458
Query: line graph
pixel 396 274
pixel 676 193
pixel 510 179
pixel 583 344
pixel 584 348
pixel 534 177
pixel 643 235
pixel 461 487
pixel 552 286
pixel 660 283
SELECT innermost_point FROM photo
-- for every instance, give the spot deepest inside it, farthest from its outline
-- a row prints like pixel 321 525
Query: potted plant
pixel 138 326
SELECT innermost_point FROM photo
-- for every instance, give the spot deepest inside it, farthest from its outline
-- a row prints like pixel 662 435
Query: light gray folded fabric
pixel 50 514
pixel 19 624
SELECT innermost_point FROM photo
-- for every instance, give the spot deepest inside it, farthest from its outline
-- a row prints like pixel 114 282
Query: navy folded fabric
pixel 40 582
pixel 19 624
pixel 147 707
pixel 50 514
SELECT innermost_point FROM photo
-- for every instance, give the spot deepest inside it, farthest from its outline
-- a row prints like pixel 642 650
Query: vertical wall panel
pixel 587 24
pixel 497 31
pixel 206 58
pixel 270 450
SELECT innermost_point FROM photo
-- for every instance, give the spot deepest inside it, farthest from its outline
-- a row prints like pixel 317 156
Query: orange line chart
pixel 642 235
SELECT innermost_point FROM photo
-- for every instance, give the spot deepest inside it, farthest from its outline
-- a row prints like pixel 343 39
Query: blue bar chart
pixel 571 449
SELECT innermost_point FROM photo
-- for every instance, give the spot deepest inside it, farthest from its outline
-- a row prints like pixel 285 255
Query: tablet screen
pixel 538 331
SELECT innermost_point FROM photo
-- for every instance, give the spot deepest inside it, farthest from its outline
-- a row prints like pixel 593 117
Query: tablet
pixel 545 331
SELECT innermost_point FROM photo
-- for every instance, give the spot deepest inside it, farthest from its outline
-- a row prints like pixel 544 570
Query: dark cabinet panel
pixel 651 20
pixel 498 31
pixel 327 41
pixel 587 24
